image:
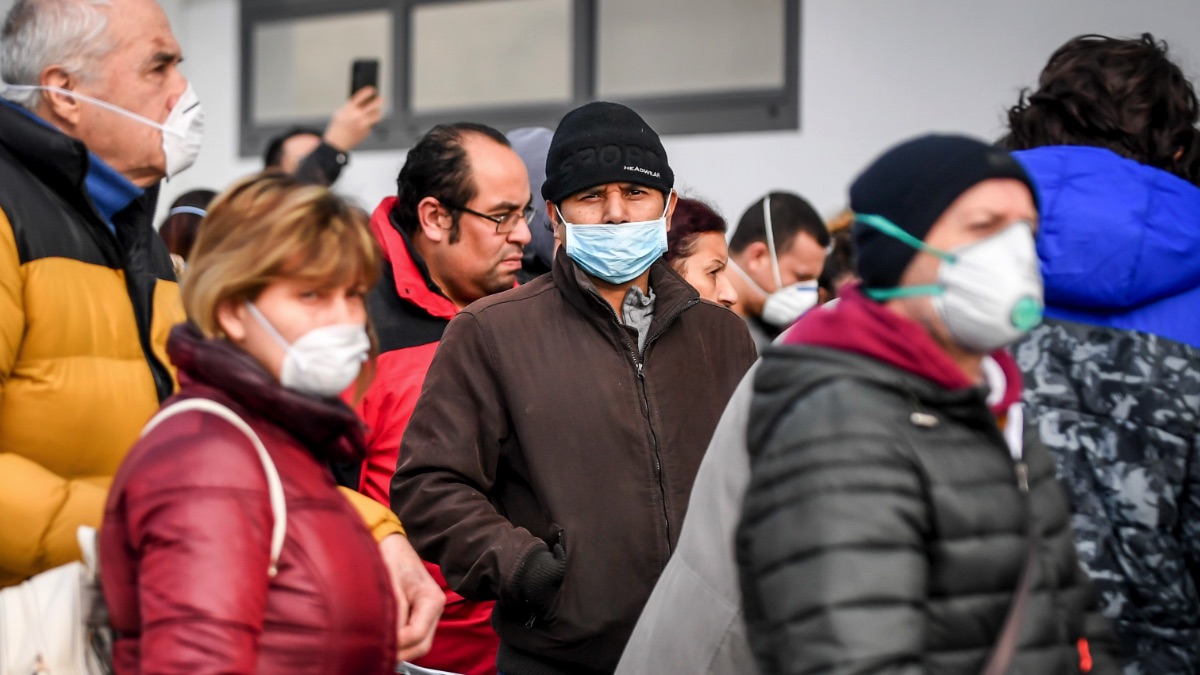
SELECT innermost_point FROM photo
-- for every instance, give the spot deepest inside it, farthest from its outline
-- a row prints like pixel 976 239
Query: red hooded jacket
pixel 187 528
pixel 409 314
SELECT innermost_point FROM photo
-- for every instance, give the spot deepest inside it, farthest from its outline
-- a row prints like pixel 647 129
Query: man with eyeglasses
pixel 454 233
pixel 550 458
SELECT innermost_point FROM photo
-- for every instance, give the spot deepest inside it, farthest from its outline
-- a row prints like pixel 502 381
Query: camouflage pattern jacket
pixel 1113 383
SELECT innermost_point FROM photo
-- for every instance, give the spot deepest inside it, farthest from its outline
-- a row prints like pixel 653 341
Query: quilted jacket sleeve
pixel 830 552
pixel 40 510
pixel 448 462
pixel 202 540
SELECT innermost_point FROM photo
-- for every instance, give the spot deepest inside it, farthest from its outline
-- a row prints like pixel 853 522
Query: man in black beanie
pixel 897 506
pixel 553 478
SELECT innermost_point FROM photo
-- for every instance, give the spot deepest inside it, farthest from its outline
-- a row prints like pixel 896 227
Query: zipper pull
pixel 530 622
pixel 639 370
pixel 1023 477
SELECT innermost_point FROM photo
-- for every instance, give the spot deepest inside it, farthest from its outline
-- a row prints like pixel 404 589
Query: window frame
pixel 770 109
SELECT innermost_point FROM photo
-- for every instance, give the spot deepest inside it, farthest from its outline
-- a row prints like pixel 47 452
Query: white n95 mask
pixel 323 361
pixel 988 293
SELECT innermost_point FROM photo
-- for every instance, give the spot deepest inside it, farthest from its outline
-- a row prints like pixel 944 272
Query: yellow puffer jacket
pixel 84 319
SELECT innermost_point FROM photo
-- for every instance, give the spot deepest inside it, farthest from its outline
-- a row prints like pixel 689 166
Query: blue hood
pixel 1119 241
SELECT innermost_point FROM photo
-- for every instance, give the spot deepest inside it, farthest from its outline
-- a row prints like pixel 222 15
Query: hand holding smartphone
pixel 364 73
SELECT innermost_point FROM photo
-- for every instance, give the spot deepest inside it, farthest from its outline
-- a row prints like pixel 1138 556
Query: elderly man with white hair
pixel 95 114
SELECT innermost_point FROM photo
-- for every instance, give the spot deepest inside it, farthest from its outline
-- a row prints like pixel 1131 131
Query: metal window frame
pixel 718 112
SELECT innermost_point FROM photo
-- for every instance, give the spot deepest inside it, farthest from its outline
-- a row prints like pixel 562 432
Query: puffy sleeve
pixel 40 509
pixel 829 547
pixel 198 521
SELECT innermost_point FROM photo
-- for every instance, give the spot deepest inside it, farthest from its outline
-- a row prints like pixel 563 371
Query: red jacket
pixel 409 314
pixel 187 528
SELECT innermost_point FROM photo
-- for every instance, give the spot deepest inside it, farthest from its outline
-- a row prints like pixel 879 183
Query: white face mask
pixel 182 132
pixel 783 307
pixel 323 361
pixel 788 303
pixel 988 293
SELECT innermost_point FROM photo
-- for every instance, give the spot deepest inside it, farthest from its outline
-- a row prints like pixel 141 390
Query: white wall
pixel 872 72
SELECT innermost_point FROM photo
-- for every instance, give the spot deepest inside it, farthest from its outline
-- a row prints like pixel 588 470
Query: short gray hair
pixel 42 33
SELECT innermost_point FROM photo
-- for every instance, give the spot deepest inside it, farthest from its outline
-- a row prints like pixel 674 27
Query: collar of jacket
pixel 109 190
pixel 791 370
pixel 62 163
pixel 672 294
pixel 413 281
pixel 326 426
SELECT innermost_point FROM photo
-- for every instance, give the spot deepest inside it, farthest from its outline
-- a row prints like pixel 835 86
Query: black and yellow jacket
pixel 84 317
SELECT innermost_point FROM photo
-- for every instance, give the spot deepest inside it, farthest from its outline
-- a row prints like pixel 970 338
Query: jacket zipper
pixel 637 361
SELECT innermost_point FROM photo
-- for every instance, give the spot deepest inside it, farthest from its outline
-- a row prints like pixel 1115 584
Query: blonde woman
pixel 278 329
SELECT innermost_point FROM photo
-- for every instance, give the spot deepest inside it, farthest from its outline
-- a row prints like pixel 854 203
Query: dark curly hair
pixel 1125 95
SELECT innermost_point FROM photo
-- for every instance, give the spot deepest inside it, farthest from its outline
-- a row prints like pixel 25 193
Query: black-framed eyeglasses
pixel 505 223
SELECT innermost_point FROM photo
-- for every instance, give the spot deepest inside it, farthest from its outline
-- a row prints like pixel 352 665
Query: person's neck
pixel 614 294
pixel 970 363
pixel 423 248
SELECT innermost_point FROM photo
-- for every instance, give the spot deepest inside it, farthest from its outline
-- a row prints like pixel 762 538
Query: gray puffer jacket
pixel 884 528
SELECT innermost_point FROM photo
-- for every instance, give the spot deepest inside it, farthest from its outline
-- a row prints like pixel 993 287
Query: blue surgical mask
pixel 617 253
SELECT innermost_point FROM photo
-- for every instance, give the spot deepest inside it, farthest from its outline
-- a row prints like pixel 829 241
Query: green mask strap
pixel 896 232
pixel 883 294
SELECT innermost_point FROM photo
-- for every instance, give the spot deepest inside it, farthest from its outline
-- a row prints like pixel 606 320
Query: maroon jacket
pixel 187 529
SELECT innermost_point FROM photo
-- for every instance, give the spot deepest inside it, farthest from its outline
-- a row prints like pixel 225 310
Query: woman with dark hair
pixel 1110 139
pixel 182 223
pixel 697 250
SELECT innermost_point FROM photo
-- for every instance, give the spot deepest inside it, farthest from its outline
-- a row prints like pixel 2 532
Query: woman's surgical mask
pixel 787 303
pixel 323 361
pixel 182 132
pixel 618 252
pixel 988 293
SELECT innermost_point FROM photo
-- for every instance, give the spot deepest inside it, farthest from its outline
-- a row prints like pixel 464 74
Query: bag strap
pixel 274 486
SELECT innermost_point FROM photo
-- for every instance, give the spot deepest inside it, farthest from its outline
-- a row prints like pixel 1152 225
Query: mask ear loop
pixel 95 101
pixel 771 240
pixel 265 323
pixel 754 284
pixel 896 232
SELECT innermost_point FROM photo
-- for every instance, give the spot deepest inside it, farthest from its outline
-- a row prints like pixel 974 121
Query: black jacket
pixel 884 528
pixel 540 425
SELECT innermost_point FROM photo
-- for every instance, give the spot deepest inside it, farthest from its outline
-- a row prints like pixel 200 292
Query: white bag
pixel 57 623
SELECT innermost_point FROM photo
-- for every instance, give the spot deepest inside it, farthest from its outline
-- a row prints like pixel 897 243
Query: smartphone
pixel 364 73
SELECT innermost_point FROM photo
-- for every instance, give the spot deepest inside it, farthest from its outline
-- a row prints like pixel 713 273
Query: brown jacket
pixel 547 465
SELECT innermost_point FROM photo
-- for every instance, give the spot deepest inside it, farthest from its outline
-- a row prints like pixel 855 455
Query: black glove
pixel 541 576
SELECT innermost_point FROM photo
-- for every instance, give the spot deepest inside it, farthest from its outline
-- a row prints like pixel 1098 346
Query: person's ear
pixel 560 230
pixel 672 202
pixel 59 105
pixel 756 256
pixel 430 216
pixel 231 318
